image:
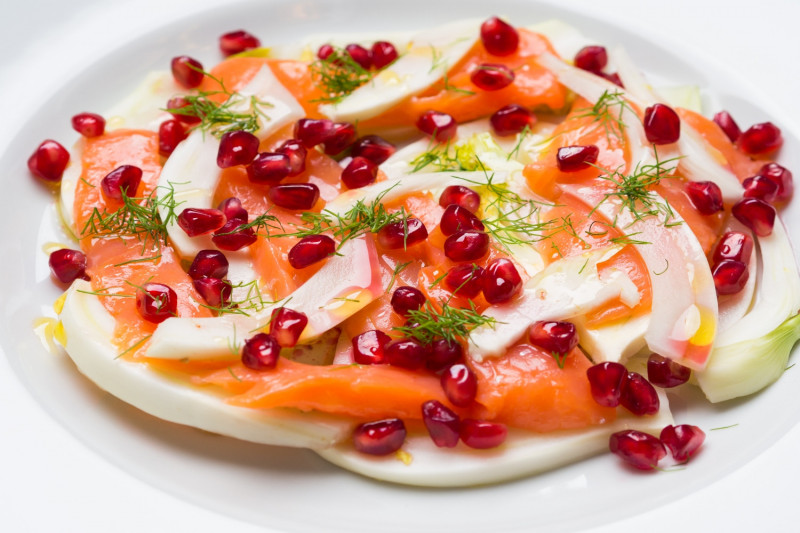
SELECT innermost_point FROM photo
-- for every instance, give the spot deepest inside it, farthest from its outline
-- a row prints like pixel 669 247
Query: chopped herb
pixel 724 427
pixel 520 139
pixel 134 346
pixel 397 269
pixel 252 301
pixel 141 260
pixel 627 239
pixel 451 323
pixel 237 378
pixel 338 75
pixel 607 113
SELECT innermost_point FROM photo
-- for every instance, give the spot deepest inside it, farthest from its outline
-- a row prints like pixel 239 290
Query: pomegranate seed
pixel 460 196
pixel 68 265
pixel 89 124
pixel 511 119
pixel 122 180
pixel 368 347
pixel 360 55
pixel 442 424
pixel 269 168
pixel 233 210
pixel 592 58
pixel 237 148
pixel 48 161
pixel 459 385
pixel 381 437
pixel 286 325
pixel 187 71
pixel 501 281
pixel 310 250
pixel 180 108
pixel 575 158
pixel 359 172
pixel 406 353
pixel 443 353
pixel 402 234
pixel 482 435
pixel 666 373
pixel 662 125
pixel 555 337
pixel 706 196
pixel 296 152
pixel 781 176
pixel 455 218
pixel 613 78
pixel 216 292
pixel 312 131
pixel 325 51
pixel 237 41
pixel 405 299
pixel 170 135
pixel 734 245
pixel 492 76
pixel 756 214
pixel 636 448
pixel 730 276
pixel 294 195
pixel 760 187
pixel 156 302
pixel 200 221
pixel 728 126
pixel 230 237
pixel 209 264
pixel 605 380
pixel 374 148
pixel 466 245
pixel 498 37
pixel 383 53
pixel 464 280
pixel 343 134
pixel 760 139
pixel 261 352
pixel 441 126
pixel 638 396
pixel 682 441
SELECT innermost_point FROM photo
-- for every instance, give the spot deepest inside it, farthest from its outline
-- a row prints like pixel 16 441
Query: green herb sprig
pixel 451 324
pixel 338 75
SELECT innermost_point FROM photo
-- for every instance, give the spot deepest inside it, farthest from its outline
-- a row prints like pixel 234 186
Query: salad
pixel 472 253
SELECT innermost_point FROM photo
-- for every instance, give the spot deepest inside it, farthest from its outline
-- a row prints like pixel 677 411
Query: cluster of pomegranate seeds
pixel 442 423
pixel 456 218
pixel 237 147
pixel 237 41
pixel 464 280
pixel 460 196
pixel 441 126
pixel 89 124
pixel 782 177
pixel 297 153
pixel 662 125
pixel 269 168
pixel 402 234
pixel 208 264
pixel 232 208
pixel 705 196
pixel 368 347
pixel 682 441
pixel 556 337
pixel 482 435
pixel 187 71
pixel 666 373
pixel 381 437
pixel 756 214
pixel 232 237
pixel 311 249
pixel 760 187
pixel 125 178
pixel 68 265
pixel 459 384
pixel 637 448
pixel 511 120
pixel 492 76
pixel 406 298
pixel 49 161
pixel 466 245
pixel 575 158
pixel 195 221
pixel 760 139
pixel 374 148
pixel 359 172
pixel 216 292
pixel 725 121
pixel 261 352
pixel 294 196
pixel 443 353
pixel 156 302
pixel 499 37
pixel 286 325
pixel 592 58
pixel 406 353
pixel 501 281
pixel 612 385
pixel 170 135
pixel 729 262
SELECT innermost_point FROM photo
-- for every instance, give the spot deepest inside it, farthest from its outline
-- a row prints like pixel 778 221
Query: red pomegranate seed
pixel 441 126
pixel 683 441
pixel 464 280
pixel 442 424
pixel 456 218
pixel 756 214
pixel 501 282
pixel 294 196
pixel 237 148
pixel 760 187
pixel 666 373
pixel 405 299
pixel 402 234
pixel 231 237
pixel 555 337
pixel 781 176
pixel 460 196
pixel 498 37
pixel 662 125
pixel 196 221
pixel 406 353
pixel 68 265
pixel 48 161
pixel 312 131
pixel 482 435
pixel 89 124
pixel 511 119
pixel 575 158
pixel 733 245
pixel 209 264
pixel 310 250
pixel 468 245
pixel 170 135
pixel 459 384
pixel 383 53
pixel 381 437
pixel 261 352
pixel 156 302
pixel 730 276
pixel 216 292
pixel 728 126
pixel 343 134
pixel 443 353
pixel 325 51
pixel 636 448
pixel 237 41
pixel 181 109
pixel 592 58
pixel 296 152
pixel 187 71
pixel 706 196
pixel 124 179
pixel 638 396
pixel 368 347
pixel 613 78
pixel 286 325
pixel 359 172
pixel 269 168
pixel 232 208
pixel 360 55
pixel 492 76
pixel 372 147
pixel 605 381
pixel 760 139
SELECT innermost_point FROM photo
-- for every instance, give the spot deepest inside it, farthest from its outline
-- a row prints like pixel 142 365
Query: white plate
pixel 290 490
